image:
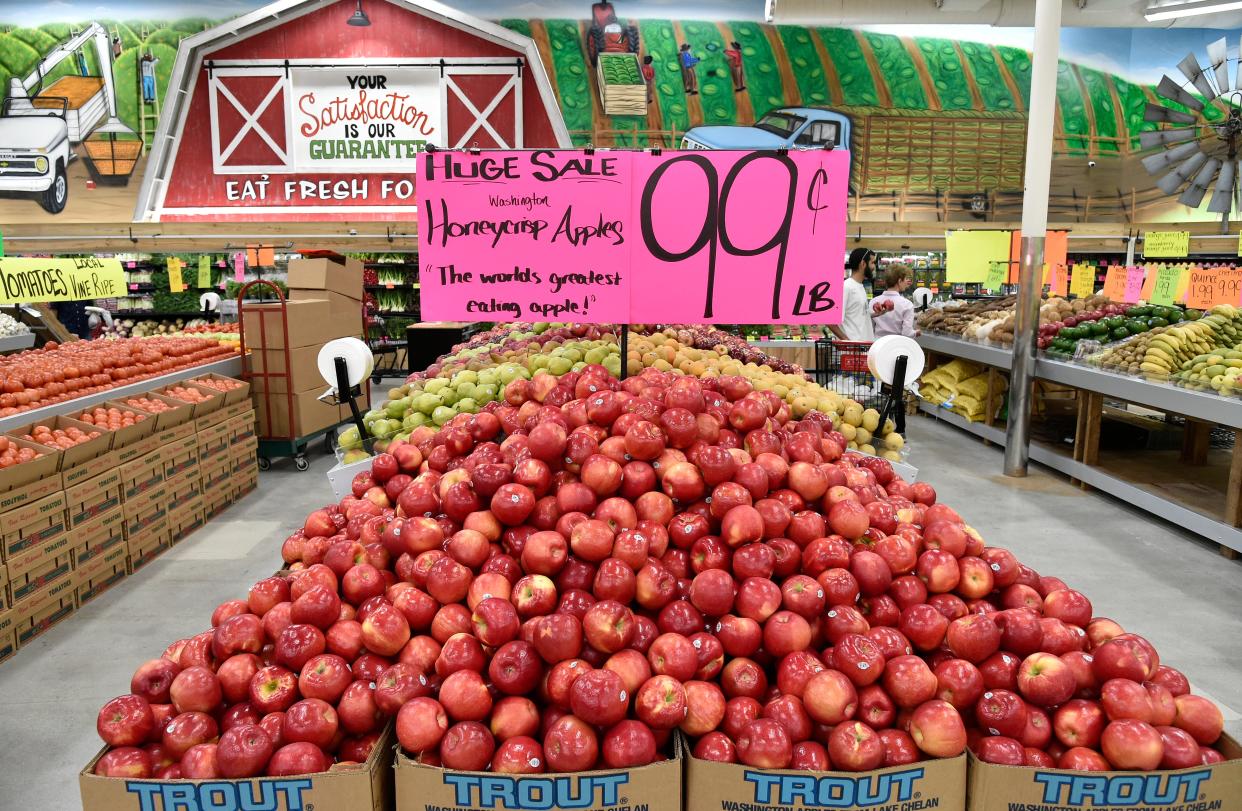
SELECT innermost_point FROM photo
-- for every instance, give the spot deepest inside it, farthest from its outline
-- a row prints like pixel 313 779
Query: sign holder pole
pixel 625 351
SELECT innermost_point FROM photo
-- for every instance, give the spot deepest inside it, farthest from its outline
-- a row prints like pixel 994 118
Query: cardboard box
pixel 97 537
pixel 30 481
pixel 303 365
pixel 182 491
pixel 309 323
pixel 142 475
pixel 147 547
pixel 32 557
pixel 365 787
pixel 307 416
pixel 1200 787
pixel 232 396
pixel 244 482
pixel 49 606
pixel 139 447
pixel 214 401
pixel 93 497
pixel 8 639
pixel 5 600
pixel 228 412
pixel 178 412
pixel 241 427
pixel 77 454
pixel 657 786
pixel 185 520
pixel 130 434
pixel 180 456
pixel 174 434
pixel 939 784
pixel 145 512
pixel 102 572
pixel 213 442
pixel 215 474
pixel 343 277
pixel 243 452
pixel 29 527
pixel 346 312
pixel 33 585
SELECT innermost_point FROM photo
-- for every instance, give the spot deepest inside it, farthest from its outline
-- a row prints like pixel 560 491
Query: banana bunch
pixel 1180 348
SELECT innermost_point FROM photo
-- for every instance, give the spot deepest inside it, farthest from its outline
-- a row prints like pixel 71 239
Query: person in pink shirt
pixel 891 312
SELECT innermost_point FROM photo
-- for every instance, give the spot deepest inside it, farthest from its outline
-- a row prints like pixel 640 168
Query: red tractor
pixel 607 34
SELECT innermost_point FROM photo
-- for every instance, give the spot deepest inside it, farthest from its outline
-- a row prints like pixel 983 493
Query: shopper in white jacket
pixel 855 317
pixel 892 312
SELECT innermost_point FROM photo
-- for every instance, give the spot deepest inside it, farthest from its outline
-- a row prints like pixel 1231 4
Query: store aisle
pixel 1173 589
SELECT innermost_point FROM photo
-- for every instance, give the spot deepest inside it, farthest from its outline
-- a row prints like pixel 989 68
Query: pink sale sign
pixel 615 237
pixel 524 236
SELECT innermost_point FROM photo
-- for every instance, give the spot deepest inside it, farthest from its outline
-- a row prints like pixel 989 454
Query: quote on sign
pixel 615 237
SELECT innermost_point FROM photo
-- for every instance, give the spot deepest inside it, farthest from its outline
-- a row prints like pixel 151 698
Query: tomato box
pixel 49 606
pixel 244 481
pixel 29 527
pixel 177 413
pixel 354 787
pixel 215 474
pixel 180 456
pixel 142 475
pixel 30 481
pixel 102 572
pixel 939 784
pixel 8 639
pixel 213 442
pixel 233 396
pixel 32 558
pixel 213 402
pixel 93 497
pixel 127 435
pixel 145 545
pixel 242 426
pixel 145 514
pixel 185 519
pixel 80 461
pixel 1201 788
pixel 5 601
pixel 98 536
pixel 35 589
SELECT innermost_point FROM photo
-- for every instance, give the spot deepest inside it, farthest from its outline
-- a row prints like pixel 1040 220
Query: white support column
pixel 1039 129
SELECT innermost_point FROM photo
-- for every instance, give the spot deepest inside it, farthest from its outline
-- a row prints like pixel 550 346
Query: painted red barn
pixel 298 112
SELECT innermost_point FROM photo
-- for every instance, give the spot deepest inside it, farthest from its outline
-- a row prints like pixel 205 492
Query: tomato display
pixel 62 438
pixel 59 372
pixel 111 418
pixel 219 384
pixel 149 405
pixel 186 394
pixel 13 454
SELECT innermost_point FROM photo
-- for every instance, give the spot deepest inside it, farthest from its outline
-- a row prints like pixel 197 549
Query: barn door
pixel 483 106
pixel 249 108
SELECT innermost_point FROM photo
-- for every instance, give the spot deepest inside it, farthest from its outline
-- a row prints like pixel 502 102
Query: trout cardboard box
pixel 360 787
pixel 655 787
pixel 1202 788
pixel 939 784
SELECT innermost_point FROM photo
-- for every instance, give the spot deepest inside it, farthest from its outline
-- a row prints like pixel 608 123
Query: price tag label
pixel 1134 283
pixel 998 274
pixel 1202 292
pixel 1082 281
pixel 239 267
pixel 1059 281
pixel 1166 243
pixel 1115 284
pixel 1230 286
pixel 175 284
pixel 204 271
pixel 1167 282
pixel 1240 243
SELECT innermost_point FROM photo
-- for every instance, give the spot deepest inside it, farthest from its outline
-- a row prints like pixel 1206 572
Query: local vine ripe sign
pixel 614 237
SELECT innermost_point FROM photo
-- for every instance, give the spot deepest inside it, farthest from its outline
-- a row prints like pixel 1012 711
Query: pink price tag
pixel 239 267
pixel 1134 283
pixel 133 287
pixel 131 265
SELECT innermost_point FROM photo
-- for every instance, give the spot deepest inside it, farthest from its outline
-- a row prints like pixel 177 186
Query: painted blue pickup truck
pixel 787 127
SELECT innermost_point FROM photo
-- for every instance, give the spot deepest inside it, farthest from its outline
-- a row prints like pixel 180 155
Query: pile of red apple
pixel 558 588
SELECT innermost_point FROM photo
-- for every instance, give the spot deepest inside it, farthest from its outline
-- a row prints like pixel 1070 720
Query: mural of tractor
pixel 607 35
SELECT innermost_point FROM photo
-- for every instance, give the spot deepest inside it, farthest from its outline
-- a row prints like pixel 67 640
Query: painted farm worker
pixel 117 47
pixel 688 77
pixel 148 77
pixel 892 311
pixel 649 77
pixel 855 315
pixel 733 55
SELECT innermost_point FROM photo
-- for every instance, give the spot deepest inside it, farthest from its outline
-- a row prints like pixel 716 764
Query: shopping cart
pixel 842 367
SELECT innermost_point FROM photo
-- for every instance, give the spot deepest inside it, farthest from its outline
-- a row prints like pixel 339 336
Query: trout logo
pixel 536 793
pixel 1122 789
pixel 265 795
pixel 834 791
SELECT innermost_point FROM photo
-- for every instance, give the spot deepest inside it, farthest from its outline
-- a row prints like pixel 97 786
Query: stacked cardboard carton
pixel 75 522
pixel 325 302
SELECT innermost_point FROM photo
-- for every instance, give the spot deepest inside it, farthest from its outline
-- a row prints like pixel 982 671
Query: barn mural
pixel 935 124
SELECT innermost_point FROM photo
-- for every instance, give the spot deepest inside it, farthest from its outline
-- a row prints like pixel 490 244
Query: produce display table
pixel 13 343
pixel 793 351
pixel 229 367
pixel 1206 495
pixel 431 339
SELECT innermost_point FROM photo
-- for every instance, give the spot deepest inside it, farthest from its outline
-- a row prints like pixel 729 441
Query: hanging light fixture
pixel 359 17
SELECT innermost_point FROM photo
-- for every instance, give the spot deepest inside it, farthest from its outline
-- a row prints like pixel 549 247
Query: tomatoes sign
pixel 704 236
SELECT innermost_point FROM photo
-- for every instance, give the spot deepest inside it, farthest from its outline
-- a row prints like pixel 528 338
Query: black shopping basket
pixel 842 367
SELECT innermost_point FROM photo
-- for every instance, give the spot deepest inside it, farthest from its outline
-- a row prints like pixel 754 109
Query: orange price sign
pixel 1229 287
pixel 1115 284
pixel 1204 288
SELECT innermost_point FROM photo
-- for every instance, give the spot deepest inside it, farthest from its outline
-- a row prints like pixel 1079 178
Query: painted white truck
pixel 39 129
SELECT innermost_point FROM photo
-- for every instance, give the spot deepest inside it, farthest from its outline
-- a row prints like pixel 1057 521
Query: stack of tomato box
pixel 73 522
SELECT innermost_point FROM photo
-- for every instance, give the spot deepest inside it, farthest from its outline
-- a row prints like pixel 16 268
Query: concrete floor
pixel 1151 577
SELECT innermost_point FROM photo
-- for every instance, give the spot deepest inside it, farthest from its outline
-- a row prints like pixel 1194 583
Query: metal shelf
pixel 1173 511
pixel 12 343
pixel 228 367
pixel 1226 411
pixel 152 314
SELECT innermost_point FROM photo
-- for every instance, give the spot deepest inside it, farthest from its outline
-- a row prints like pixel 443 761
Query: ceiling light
pixel 360 18
pixel 1190 9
